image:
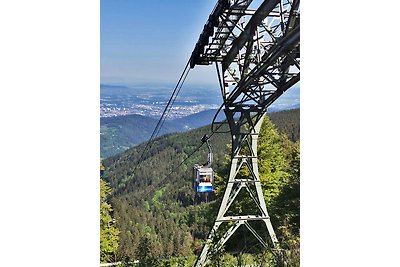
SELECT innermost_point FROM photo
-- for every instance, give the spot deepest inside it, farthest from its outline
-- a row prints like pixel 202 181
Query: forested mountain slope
pixel 152 203
pixel 288 122
pixel 120 133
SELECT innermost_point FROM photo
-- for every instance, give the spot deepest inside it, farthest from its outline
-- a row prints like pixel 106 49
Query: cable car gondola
pixel 203 179
pixel 203 176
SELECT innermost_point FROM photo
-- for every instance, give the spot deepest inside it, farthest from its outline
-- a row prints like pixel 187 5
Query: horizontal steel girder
pixel 248 33
pixel 284 46
pixel 243 218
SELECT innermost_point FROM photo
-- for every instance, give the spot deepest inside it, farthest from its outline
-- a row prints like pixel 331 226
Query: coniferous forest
pixel 157 218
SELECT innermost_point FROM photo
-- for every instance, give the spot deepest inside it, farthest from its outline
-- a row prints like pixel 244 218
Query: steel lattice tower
pixel 257 46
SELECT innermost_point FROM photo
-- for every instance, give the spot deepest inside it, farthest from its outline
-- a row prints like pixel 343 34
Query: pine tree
pixel 144 253
pixel 272 162
pixel 108 232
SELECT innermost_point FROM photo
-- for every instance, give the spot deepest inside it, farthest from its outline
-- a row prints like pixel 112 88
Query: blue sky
pixel 151 41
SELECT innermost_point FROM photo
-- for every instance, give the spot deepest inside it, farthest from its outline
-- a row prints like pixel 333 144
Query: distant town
pixel 151 102
pixel 111 110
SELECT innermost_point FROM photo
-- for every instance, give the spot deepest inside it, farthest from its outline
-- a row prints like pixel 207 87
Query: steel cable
pixel 166 110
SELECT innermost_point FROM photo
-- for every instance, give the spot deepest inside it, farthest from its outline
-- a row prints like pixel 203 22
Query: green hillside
pixel 288 122
pixel 151 205
pixel 120 133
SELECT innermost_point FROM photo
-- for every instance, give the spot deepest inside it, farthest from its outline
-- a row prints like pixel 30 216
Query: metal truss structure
pixel 257 45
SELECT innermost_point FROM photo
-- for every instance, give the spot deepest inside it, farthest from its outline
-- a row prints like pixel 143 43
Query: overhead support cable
pixel 172 103
pixel 167 108
pixel 188 157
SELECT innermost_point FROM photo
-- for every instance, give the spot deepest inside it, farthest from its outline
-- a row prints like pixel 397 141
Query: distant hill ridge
pixel 122 132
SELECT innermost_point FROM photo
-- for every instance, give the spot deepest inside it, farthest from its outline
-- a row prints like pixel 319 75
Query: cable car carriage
pixel 203 176
pixel 203 179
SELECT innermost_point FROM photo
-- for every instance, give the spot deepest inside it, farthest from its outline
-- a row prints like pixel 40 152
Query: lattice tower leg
pixel 240 137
